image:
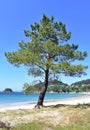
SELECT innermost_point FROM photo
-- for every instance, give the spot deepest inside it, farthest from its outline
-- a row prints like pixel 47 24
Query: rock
pixel 8 90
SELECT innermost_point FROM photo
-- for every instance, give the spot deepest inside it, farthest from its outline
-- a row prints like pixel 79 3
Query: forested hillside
pixel 53 86
pixel 82 82
pixel 81 86
pixel 58 86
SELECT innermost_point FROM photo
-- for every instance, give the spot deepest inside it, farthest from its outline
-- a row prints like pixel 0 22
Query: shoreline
pixel 31 105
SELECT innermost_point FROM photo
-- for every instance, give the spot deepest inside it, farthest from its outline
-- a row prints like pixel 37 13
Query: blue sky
pixel 17 15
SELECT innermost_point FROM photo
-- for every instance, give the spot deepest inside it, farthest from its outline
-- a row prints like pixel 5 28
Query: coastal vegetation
pixel 58 87
pixel 53 86
pixel 48 53
pixel 59 117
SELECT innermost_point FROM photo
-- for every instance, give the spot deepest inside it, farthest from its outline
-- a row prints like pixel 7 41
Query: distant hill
pixel 53 86
pixel 8 90
pixel 52 82
pixel 82 82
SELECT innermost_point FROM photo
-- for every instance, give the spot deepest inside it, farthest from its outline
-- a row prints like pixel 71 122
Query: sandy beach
pixel 70 101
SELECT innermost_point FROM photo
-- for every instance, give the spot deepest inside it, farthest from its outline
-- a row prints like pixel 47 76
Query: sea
pixel 19 98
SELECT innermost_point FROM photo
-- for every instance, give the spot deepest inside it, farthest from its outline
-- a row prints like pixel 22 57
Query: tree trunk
pixel 43 91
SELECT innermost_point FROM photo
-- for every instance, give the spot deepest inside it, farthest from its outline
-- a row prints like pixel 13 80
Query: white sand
pixel 71 101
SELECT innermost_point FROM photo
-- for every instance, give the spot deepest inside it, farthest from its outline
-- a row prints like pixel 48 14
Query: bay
pixel 20 98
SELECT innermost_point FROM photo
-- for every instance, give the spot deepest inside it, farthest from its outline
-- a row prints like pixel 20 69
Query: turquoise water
pixel 18 97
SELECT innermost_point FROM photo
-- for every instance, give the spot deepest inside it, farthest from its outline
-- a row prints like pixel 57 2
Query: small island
pixel 8 90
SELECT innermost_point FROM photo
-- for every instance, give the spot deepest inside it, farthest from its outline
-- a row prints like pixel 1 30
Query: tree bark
pixel 43 91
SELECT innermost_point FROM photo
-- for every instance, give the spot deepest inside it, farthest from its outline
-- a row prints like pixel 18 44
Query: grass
pixel 76 126
pixel 31 126
pixel 41 126
pixel 60 117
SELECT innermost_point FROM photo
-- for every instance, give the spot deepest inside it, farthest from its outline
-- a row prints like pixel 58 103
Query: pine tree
pixel 48 53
